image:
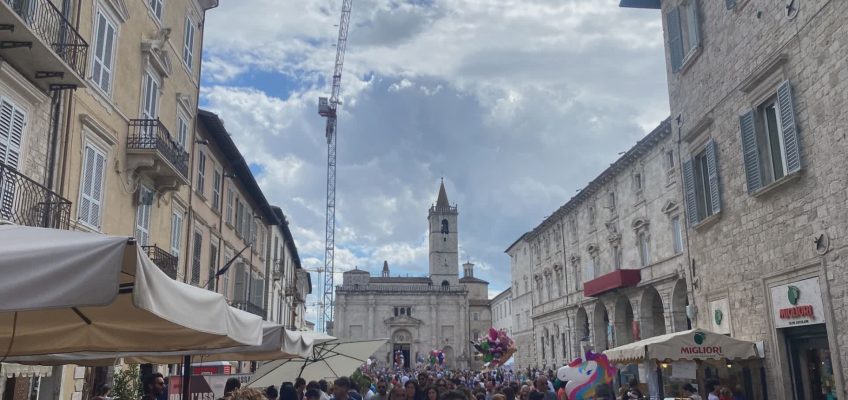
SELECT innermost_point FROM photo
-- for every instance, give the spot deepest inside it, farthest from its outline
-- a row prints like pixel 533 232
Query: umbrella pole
pixel 186 386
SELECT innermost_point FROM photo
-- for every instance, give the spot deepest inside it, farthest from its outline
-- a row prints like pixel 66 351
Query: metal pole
pixel 186 383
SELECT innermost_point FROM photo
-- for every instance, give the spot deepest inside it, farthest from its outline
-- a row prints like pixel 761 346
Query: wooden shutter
pixel 91 190
pixel 675 39
pixel 693 25
pixel 712 172
pixel 12 122
pixel 750 151
pixel 239 288
pixel 195 262
pixel 790 131
pixel 689 190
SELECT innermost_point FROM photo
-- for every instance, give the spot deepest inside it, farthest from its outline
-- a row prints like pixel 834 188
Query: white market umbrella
pixel 695 344
pixel 66 291
pixel 277 343
pixel 329 360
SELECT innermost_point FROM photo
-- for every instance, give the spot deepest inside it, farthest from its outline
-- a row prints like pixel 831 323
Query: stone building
pixel 286 296
pixel 522 302
pixel 608 267
pixel 501 306
pixel 757 90
pixel 419 314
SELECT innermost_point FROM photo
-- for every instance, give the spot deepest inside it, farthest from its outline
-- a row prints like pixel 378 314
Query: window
pixel 591 215
pixel 616 257
pixel 105 36
pixel 142 216
pixel 225 277
pixel 611 200
pixel 230 204
pixel 216 189
pixel 157 8
pixel 12 123
pixel 188 43
pixel 770 140
pixel 700 182
pixel 91 187
pixel 644 248
pixel 637 182
pixel 239 216
pixel 590 268
pixel 182 130
pixel 677 234
pixel 683 32
pixel 195 259
pixel 176 232
pixel 201 172
pixel 150 96
pixel 445 227
pixel 669 159
pixel 542 340
pixel 213 263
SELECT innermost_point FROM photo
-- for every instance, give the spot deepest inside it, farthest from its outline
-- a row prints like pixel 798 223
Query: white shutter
pixel 104 43
pixel 143 216
pixel 91 186
pixel 188 42
pixel 12 123
pixel 176 232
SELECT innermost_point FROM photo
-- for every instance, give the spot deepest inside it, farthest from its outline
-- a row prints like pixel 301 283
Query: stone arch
pixel 623 321
pixel 445 226
pixel 600 322
pixel 651 313
pixel 679 301
pixel 401 336
pixel 582 325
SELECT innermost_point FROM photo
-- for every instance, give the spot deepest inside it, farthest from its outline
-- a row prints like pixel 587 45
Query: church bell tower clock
pixel 444 241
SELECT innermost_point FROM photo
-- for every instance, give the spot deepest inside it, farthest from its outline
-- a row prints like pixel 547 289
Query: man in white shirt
pixel 713 388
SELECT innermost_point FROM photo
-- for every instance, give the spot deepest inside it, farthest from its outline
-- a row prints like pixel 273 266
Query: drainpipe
pixel 689 269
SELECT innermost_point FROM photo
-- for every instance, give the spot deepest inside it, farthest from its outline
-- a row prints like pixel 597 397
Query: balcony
pixel 245 305
pixel 37 39
pixel 24 201
pixel 151 151
pixel 622 278
pixel 166 261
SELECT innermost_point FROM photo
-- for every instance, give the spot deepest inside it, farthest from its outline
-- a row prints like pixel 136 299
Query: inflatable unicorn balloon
pixel 584 376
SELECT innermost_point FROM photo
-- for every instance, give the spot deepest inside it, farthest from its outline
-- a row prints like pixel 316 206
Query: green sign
pixel 794 294
pixel 719 316
pixel 700 337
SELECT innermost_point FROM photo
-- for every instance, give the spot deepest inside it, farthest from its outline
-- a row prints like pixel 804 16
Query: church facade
pixel 419 314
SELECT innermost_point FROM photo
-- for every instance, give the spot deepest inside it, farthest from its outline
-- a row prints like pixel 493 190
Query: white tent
pixel 695 344
pixel 329 360
pixel 66 291
pixel 278 343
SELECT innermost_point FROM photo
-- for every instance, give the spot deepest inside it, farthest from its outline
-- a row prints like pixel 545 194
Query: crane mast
pixel 327 108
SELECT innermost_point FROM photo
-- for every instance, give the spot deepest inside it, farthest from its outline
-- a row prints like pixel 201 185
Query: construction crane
pixel 327 109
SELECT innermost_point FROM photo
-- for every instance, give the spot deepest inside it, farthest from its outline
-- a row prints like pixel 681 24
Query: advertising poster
pixel 203 387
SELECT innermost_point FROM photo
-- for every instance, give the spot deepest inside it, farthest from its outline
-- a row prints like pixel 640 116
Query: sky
pixel 517 104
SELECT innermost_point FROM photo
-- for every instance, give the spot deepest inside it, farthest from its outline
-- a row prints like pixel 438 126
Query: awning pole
pixel 186 378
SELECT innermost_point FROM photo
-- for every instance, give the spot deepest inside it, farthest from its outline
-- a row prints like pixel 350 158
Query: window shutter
pixel 693 24
pixel 238 291
pixel 675 39
pixel 195 264
pixel 750 152
pixel 11 134
pixel 689 189
pixel 790 131
pixel 712 171
pixel 731 4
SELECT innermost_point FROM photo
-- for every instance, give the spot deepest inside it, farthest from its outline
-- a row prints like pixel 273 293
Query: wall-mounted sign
pixel 720 316
pixel 797 304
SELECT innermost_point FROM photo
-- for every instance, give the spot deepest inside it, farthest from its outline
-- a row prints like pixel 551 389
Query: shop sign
pixel 701 348
pixel 203 387
pixel 797 304
pixel 720 313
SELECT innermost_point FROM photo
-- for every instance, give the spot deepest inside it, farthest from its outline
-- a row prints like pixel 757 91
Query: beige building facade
pixel 757 89
pixel 522 302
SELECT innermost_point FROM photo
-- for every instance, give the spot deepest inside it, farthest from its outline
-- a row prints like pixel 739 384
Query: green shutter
pixel 750 152
pixel 790 131
pixel 730 4
pixel 689 191
pixel 675 39
pixel 712 172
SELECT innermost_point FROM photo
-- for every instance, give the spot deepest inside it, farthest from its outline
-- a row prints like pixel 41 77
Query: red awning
pixel 614 280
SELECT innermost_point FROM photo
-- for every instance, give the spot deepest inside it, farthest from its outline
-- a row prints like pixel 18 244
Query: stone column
pixel 371 304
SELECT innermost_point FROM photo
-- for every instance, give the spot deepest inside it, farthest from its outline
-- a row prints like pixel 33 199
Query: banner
pixel 203 387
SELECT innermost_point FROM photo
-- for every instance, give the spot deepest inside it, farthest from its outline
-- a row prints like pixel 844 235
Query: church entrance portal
pixel 404 349
pixel 401 340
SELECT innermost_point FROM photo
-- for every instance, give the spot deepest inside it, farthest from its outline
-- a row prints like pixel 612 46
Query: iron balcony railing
pixel 24 201
pixel 50 25
pixel 245 305
pixel 166 261
pixel 151 134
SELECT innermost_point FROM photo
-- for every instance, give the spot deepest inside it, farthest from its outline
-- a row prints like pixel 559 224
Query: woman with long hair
pixel 431 393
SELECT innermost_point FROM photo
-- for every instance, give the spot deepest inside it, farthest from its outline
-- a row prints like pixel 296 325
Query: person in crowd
pixel 604 392
pixel 524 393
pixel 725 393
pixel 353 393
pixel 312 394
pixel 341 388
pixel 690 392
pixel 246 394
pixel 498 396
pixel 231 385
pixel 537 395
pixel 288 392
pixel 424 379
pixel 713 387
pixel 300 386
pixel 397 393
pixel 542 387
pixel 103 393
pixel 633 392
pixel 509 392
pixel 154 385
pixel 271 392
pixel 382 392
pixel 738 392
pixel 431 393
pixel 453 395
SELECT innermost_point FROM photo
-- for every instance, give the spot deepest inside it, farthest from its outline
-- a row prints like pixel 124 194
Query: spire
pixel 385 269
pixel 442 201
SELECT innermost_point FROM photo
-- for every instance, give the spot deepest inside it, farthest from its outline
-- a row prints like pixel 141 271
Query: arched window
pixel 445 226
pixel 445 285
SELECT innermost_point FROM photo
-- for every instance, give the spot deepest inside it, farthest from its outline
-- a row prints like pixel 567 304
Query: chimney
pixel 468 269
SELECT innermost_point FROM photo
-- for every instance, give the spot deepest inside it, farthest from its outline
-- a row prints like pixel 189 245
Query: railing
pixel 151 134
pixel 26 202
pixel 249 307
pixel 166 261
pixel 51 26
pixel 400 288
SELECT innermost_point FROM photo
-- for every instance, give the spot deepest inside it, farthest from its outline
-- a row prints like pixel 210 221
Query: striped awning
pixel 10 370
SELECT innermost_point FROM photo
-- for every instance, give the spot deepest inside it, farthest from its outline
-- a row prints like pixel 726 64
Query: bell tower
pixel 444 240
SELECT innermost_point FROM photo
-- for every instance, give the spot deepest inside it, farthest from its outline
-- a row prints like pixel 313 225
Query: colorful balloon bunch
pixel 496 347
pixel 437 356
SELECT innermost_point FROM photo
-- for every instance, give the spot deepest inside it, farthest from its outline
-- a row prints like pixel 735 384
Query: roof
pixel 471 279
pixel 284 226
pixel 478 302
pixel 357 271
pixel 401 279
pixel 641 147
pixel 215 128
pixel 442 200
pixel 515 242
pixel 506 292
pixel 653 4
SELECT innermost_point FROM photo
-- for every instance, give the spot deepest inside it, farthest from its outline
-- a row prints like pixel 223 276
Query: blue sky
pixel 516 103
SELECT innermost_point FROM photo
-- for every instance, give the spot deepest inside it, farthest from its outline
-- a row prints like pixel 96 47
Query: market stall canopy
pixel 277 343
pixel 695 344
pixel 329 360
pixel 67 291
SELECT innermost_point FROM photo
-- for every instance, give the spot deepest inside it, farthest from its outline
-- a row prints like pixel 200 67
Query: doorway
pixel 404 349
pixel 810 362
